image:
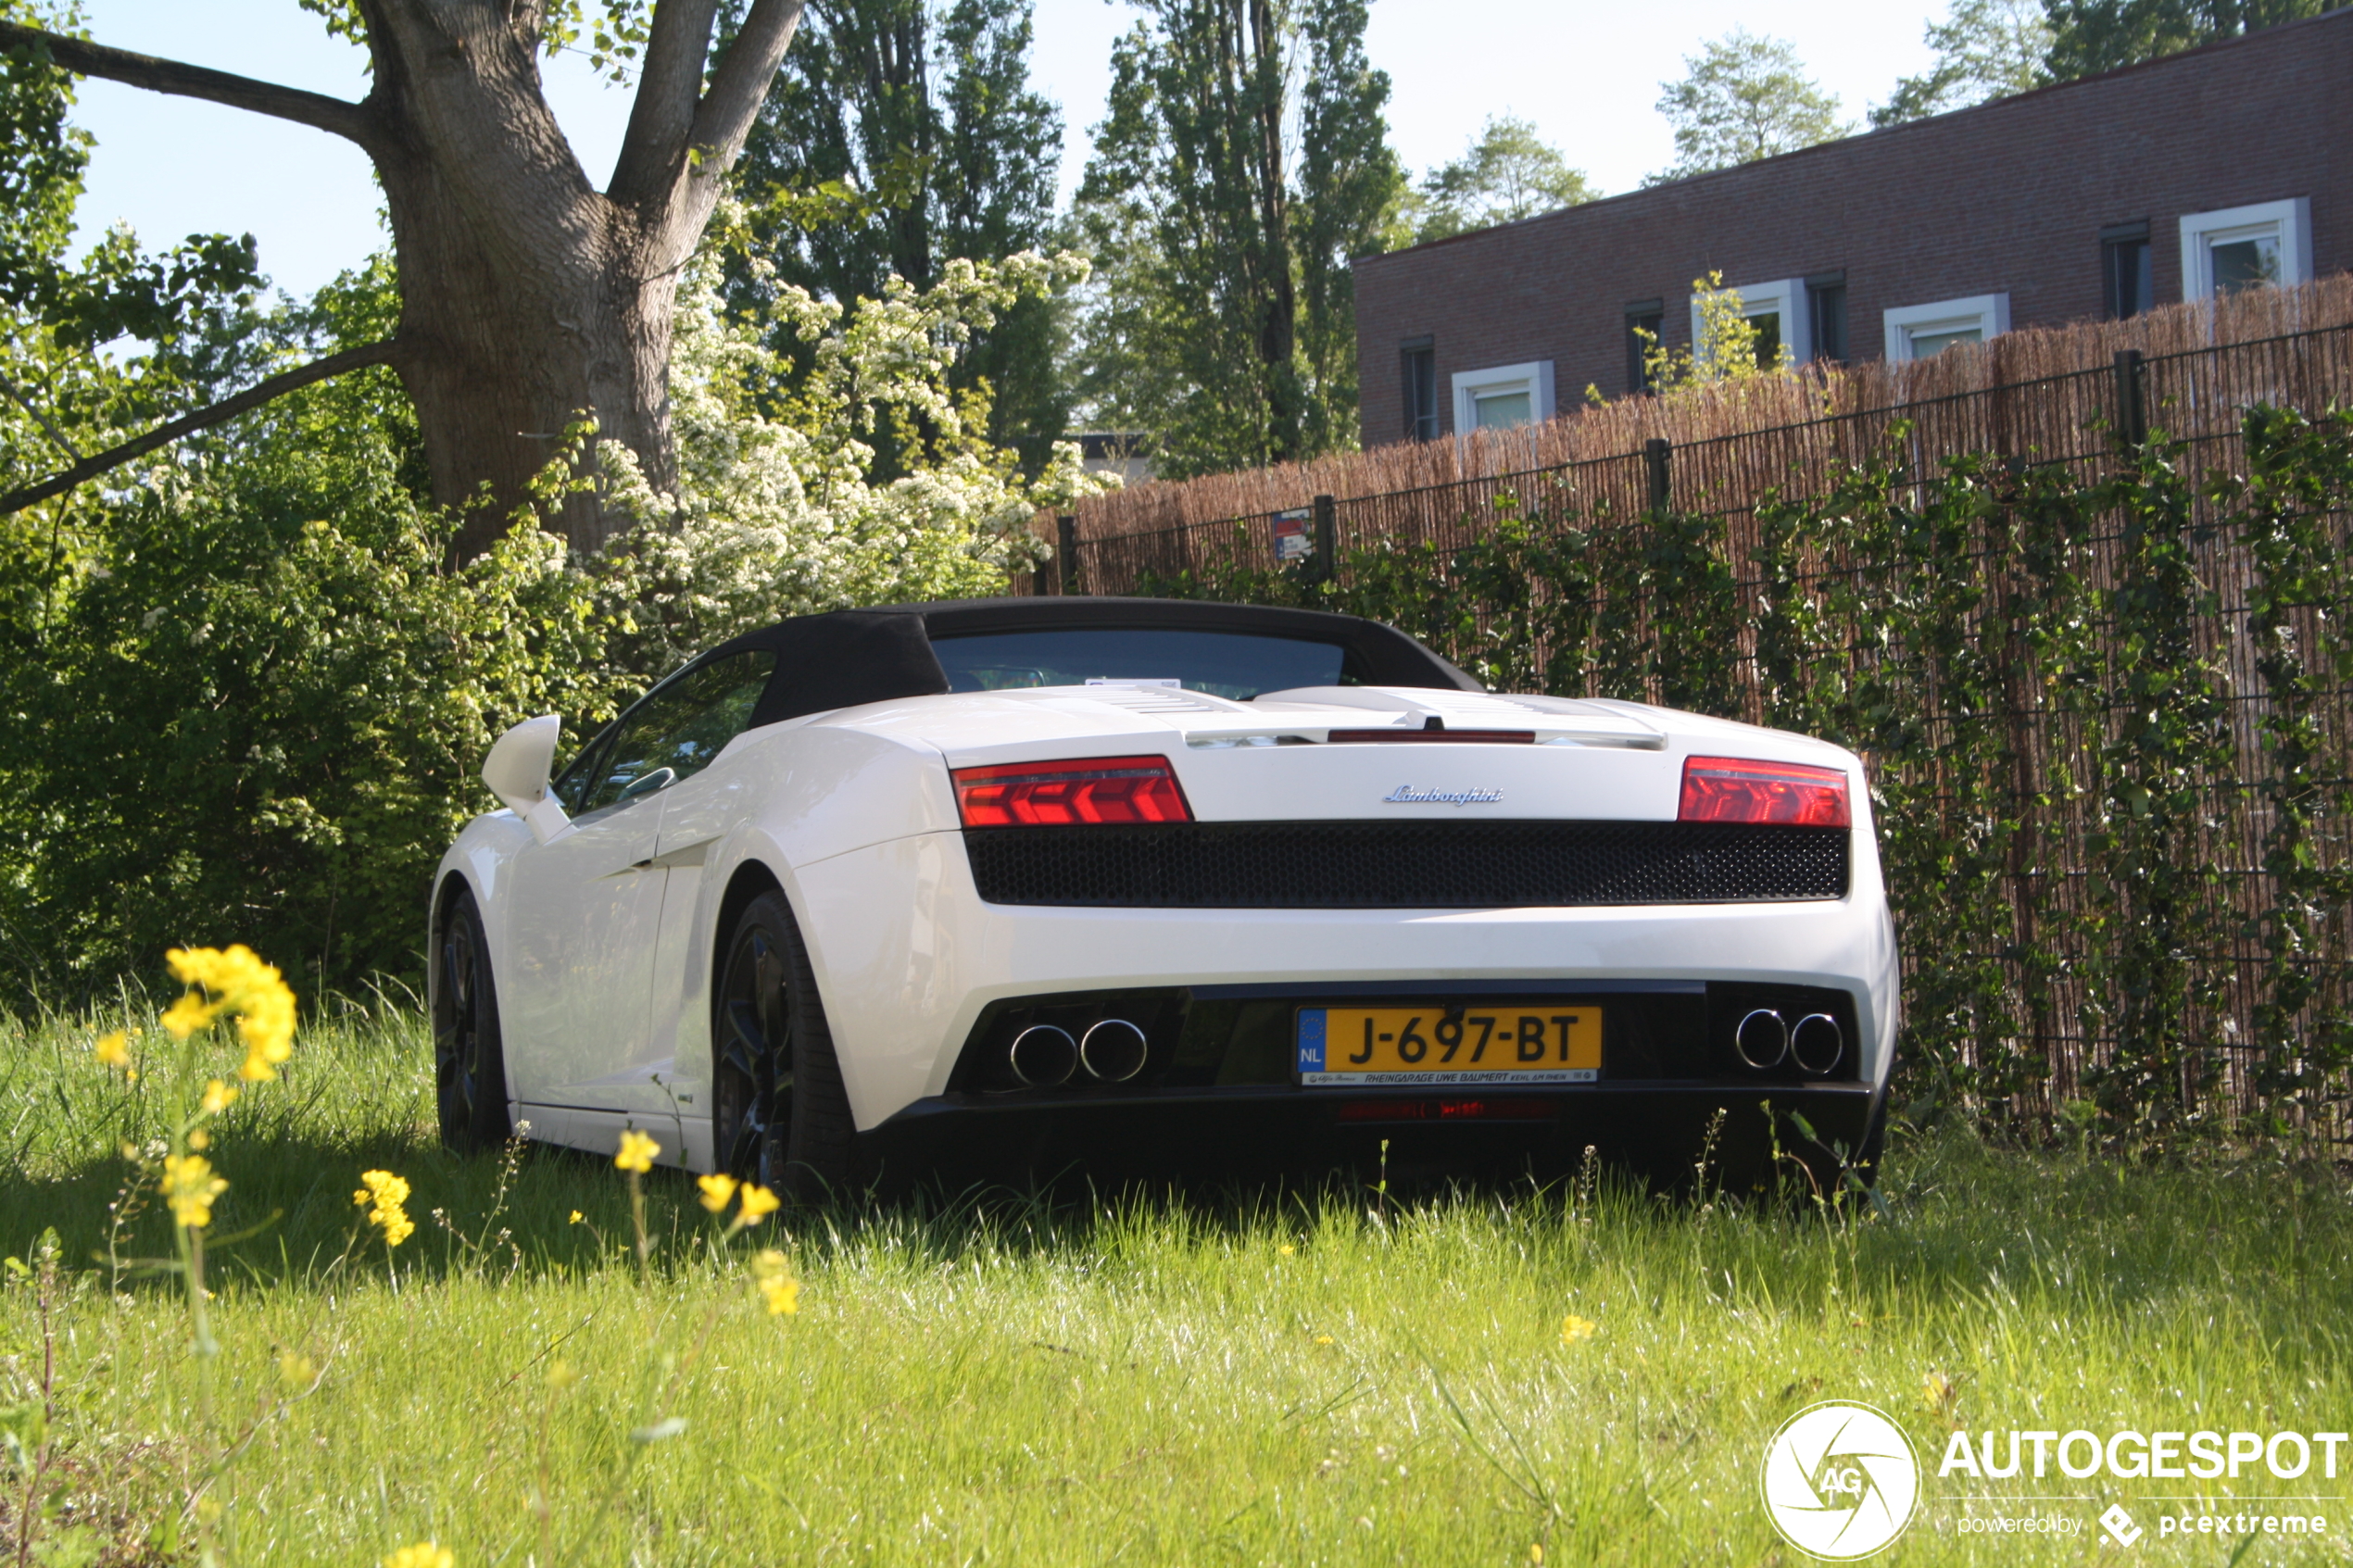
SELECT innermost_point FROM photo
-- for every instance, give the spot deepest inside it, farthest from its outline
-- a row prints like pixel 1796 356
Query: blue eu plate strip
pixel 1311 1039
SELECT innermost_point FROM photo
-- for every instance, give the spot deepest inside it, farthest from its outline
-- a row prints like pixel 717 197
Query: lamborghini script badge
pixel 1406 795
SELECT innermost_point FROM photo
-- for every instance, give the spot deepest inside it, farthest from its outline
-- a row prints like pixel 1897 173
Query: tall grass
pixel 1293 1377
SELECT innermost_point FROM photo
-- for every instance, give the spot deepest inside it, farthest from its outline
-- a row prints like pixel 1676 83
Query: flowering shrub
pixel 265 627
pixel 779 511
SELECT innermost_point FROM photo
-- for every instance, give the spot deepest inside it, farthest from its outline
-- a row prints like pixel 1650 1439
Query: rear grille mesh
pixel 1406 865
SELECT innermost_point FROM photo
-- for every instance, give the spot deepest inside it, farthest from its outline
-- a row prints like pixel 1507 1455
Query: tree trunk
pixel 527 297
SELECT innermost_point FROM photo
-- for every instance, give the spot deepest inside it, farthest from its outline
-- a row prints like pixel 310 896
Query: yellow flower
pixel 217 1097
pixel 297 1370
pixel 388 1193
pixel 1286 1250
pixel 114 1050
pixel 1573 1328
pixel 235 982
pixel 759 1203
pixel 1323 1340
pixel 576 1217
pixel 717 1192
pixel 199 1139
pixel 772 1274
pixel 637 1152
pixel 424 1554
pixel 190 1187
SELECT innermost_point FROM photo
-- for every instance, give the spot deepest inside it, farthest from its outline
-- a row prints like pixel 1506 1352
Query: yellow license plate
pixel 1535 1042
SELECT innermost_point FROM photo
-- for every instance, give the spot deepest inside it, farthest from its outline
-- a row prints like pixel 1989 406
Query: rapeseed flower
pixel 424 1554
pixel 1573 1328
pixel 388 1194
pixel 772 1274
pixel 637 1152
pixel 219 1096
pixel 190 1188
pixel 718 1191
pixel 759 1203
pixel 576 1217
pixel 235 982
pixel 114 1050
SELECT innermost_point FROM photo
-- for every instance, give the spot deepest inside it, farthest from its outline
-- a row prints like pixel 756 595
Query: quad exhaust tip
pixel 1818 1042
pixel 1761 1039
pixel 1112 1051
pixel 1765 1039
pixel 1043 1056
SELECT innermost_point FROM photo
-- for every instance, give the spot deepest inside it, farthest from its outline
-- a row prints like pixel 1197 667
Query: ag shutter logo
pixel 1841 1481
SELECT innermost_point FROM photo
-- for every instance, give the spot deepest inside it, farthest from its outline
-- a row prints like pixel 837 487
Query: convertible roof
pixel 857 656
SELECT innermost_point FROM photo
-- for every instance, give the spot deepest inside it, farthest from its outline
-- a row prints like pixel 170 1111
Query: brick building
pixel 2162 181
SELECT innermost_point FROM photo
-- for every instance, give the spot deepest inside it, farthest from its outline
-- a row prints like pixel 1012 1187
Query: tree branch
pixel 740 84
pixel 665 111
pixel 227 408
pixel 353 121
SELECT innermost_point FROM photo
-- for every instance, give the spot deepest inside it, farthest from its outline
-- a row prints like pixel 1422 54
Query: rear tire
pixel 780 1115
pixel 470 1060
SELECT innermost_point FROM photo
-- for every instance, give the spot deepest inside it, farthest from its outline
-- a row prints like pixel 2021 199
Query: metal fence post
pixel 1655 453
pixel 1326 540
pixel 2131 407
pixel 1067 543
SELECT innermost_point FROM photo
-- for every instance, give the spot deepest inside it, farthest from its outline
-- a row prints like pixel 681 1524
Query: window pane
pixel 1642 338
pixel 1421 394
pixel 1830 321
pixel 1927 346
pixel 1238 665
pixel 1499 410
pixel 2127 266
pixel 2245 263
pixel 680 727
pixel 1768 325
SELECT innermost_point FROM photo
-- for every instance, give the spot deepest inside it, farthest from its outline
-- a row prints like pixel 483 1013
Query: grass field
pixel 1221 1378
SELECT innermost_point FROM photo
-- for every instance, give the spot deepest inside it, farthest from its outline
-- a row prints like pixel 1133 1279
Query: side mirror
pixel 517 771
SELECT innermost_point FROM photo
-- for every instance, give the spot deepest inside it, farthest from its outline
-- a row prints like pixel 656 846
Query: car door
pixel 587 904
pixel 697 811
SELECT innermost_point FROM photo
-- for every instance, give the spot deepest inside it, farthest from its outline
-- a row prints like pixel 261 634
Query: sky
pixel 1587 73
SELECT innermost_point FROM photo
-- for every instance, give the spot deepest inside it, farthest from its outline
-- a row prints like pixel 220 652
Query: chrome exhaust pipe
pixel 1043 1056
pixel 1818 1042
pixel 1761 1039
pixel 1114 1051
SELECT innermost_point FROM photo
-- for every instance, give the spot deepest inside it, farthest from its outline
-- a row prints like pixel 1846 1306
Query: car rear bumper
pixel 1659 1131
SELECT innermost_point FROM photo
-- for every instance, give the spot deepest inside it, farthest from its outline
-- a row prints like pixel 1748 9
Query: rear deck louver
pixel 1407 865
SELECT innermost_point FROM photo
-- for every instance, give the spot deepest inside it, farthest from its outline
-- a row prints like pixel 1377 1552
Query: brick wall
pixel 2006 197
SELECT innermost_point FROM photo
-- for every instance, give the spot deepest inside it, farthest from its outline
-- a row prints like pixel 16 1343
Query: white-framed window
pixel 1782 313
pixel 2246 246
pixel 1502 397
pixel 1923 331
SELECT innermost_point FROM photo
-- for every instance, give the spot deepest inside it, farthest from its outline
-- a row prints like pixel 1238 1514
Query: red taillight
pixel 1724 789
pixel 1092 789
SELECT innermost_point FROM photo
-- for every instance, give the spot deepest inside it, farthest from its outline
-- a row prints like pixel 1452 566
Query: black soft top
pixel 850 657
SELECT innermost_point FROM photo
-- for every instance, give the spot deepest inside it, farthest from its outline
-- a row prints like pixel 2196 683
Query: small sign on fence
pixel 1294 535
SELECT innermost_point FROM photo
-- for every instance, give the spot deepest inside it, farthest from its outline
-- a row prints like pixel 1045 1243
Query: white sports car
pixel 1019 885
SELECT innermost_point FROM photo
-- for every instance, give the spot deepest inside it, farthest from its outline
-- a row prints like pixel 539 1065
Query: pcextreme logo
pixel 1841 1481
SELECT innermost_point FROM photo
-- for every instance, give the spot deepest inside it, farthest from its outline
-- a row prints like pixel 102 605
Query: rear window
pixel 1228 664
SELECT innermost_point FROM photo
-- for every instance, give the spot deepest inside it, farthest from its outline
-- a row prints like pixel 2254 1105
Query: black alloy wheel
pixel 469 1065
pixel 781 1117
